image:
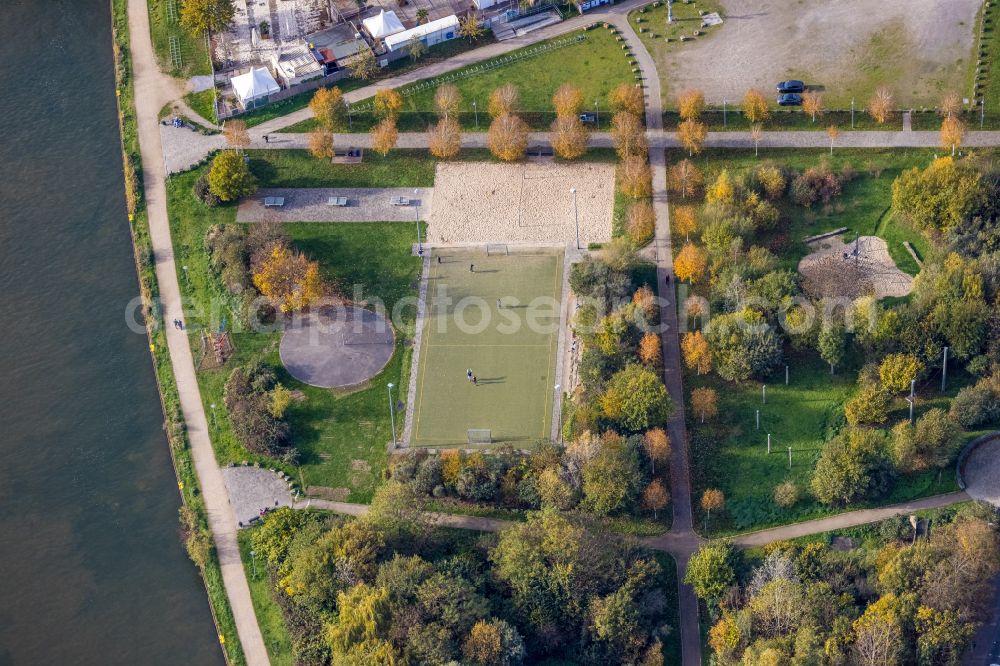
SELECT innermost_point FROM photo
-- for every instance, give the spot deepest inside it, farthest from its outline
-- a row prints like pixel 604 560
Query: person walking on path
pixel 468 374
pixel 267 139
pixel 439 258
pixel 499 303
pixel 472 268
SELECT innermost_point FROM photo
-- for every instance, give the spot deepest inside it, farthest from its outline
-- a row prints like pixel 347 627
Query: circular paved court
pixel 337 347
pixel 981 472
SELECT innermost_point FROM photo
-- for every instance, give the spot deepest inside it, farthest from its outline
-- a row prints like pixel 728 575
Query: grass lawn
pixel 511 350
pixel 164 29
pixel 596 64
pixel 341 437
pixel 269 617
pixel 202 103
pixel 297 168
pixel 786 118
pixel 863 207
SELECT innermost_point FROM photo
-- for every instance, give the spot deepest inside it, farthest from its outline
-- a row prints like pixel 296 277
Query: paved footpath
pixel 152 92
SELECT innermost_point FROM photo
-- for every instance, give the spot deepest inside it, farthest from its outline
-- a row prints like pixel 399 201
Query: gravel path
pixel 363 205
pixel 252 489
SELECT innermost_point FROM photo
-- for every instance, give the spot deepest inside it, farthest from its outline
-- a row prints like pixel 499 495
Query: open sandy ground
pixel 847 47
pixel 482 202
pixel 832 269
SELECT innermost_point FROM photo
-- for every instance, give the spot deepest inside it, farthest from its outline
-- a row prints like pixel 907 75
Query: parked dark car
pixel 790 99
pixel 792 86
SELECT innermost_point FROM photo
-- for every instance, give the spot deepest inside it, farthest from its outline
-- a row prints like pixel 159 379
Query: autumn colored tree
pixel 723 190
pixel 321 144
pixel 756 134
pixel 628 135
pixel 568 100
pixel 898 370
pixel 833 132
pixel 684 179
pixel 690 263
pixel 446 139
pixel 504 101
pixel 634 177
pixel 952 132
pixel 690 104
pixel 627 97
pixel 387 104
pixel 697 352
pixel 683 221
pixel 200 16
pixel 363 65
pixel 786 494
pixel 704 403
pixel 483 645
pixel 881 105
pixel 329 108
pixel 229 177
pixel 951 104
pixel 289 280
pixel 569 137
pixel 471 27
pixel 645 299
pixel 695 307
pixel 755 107
pixel 812 103
pixel 384 136
pixel 692 135
pixel 416 48
pixel 236 134
pixel 656 446
pixel 655 497
pixel 447 100
pixel 649 350
pixel 507 138
pixel 712 500
pixel 640 221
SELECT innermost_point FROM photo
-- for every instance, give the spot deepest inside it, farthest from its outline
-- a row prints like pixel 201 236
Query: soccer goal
pixel 480 435
pixel 497 249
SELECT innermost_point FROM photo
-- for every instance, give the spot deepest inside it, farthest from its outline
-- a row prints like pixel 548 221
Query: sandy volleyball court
pixel 483 202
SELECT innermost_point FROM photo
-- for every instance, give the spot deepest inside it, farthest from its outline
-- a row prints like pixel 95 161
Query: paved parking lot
pixel 312 205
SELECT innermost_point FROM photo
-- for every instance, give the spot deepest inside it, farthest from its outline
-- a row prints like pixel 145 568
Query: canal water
pixel 91 567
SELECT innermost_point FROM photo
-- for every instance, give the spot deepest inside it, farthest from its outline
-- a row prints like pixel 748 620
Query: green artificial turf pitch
pixel 511 349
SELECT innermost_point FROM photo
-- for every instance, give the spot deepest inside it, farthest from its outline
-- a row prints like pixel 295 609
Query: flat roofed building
pixel 296 63
pixel 434 32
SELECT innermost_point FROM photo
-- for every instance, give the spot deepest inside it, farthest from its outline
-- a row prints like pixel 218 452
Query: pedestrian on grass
pixel 475 382
pixel 439 258
pixel 499 304
pixel 472 268
pixel 468 374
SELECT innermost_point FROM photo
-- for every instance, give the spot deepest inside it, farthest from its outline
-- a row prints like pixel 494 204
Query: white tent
pixel 383 25
pixel 255 85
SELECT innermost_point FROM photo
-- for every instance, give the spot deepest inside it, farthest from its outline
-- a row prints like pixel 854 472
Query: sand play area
pixel 482 202
pixel 835 268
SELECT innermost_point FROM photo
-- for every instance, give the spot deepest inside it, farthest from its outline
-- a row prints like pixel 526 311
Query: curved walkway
pixel 152 92
pixel 981 471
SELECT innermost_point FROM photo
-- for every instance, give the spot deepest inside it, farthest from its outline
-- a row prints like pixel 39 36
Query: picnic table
pixel 274 202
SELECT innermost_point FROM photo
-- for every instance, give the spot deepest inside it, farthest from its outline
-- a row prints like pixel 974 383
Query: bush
pixel 248 401
pixel 203 192
pixel 428 475
pixel 816 184
pixel 870 406
pixel 853 465
pixel 786 494
pixel 975 406
pixel 772 181
pixel 932 442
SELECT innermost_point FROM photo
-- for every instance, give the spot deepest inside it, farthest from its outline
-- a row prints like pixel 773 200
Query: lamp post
pixel 475 110
pixel 185 269
pixel 597 110
pixel 420 246
pixel 944 369
pixel 576 217
pixel 253 558
pixel 852 113
pixel 392 416
pixel 723 111
pixel 670 11
pixel 213 415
